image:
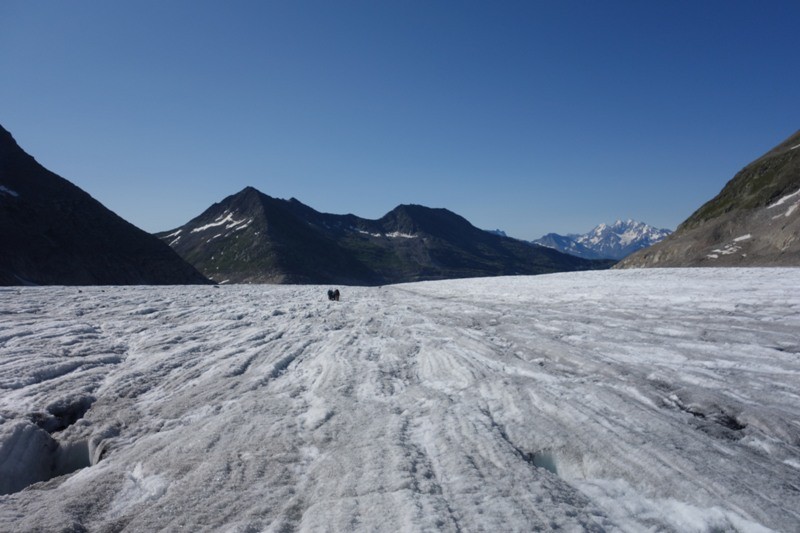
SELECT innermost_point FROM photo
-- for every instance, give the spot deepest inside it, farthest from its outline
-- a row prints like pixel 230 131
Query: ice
pixel 631 400
pixel 137 489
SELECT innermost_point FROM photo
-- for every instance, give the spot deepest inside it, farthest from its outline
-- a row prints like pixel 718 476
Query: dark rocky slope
pixel 753 221
pixel 53 233
pixel 250 237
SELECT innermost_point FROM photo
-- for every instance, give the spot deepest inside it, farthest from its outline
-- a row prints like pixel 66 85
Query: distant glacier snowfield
pixel 635 400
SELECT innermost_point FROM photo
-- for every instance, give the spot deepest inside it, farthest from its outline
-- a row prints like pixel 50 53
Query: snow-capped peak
pixel 613 241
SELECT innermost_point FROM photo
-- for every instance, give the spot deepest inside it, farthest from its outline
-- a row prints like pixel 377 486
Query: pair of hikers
pixel 333 294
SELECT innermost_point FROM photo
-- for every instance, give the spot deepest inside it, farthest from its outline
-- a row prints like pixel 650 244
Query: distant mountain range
pixel 614 241
pixel 753 221
pixel 53 233
pixel 250 237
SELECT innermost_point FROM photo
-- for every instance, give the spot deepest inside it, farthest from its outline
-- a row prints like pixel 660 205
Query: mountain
pixel 53 233
pixel 614 241
pixel 753 221
pixel 250 237
pixel 564 243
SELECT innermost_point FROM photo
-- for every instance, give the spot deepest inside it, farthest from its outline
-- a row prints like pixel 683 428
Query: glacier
pixel 633 400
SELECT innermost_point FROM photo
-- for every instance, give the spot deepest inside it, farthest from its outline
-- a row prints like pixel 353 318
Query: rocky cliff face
pixel 53 233
pixel 753 221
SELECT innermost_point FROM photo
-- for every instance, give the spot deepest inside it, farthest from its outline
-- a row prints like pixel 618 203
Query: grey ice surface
pixel 639 400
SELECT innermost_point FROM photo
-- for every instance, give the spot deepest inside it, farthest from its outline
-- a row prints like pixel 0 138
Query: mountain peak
pixel 614 241
pixel 56 233
pixel 267 240
pixel 413 219
pixel 6 137
pixel 628 223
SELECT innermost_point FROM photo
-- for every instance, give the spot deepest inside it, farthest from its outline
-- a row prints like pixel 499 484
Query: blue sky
pixel 531 117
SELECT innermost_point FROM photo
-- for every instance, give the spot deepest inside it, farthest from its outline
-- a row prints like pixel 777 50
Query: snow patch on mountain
pixel 794 198
pixel 7 191
pixel 400 235
pixel 225 219
pixel 390 235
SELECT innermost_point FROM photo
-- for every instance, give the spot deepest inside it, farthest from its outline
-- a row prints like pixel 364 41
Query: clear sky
pixel 532 117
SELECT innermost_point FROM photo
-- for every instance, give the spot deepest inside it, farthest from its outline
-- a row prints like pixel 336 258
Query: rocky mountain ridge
pixel 54 233
pixel 753 221
pixel 250 237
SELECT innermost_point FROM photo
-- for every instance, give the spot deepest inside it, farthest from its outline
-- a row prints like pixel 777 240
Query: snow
pixel 392 235
pixel 795 197
pixel 631 400
pixel 730 248
pixel 225 219
pixel 620 239
pixel 784 199
pixel 6 190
